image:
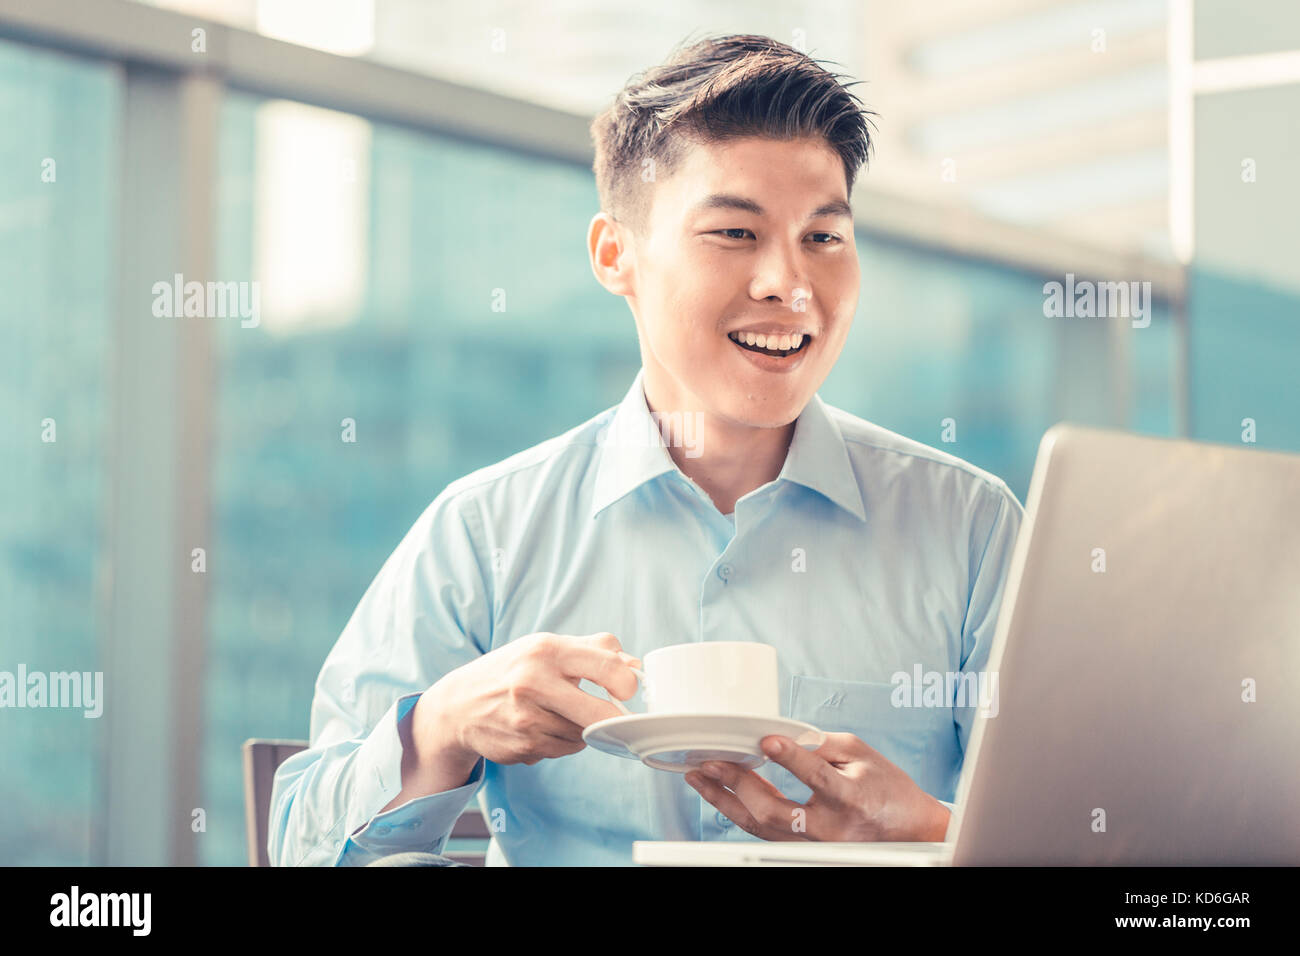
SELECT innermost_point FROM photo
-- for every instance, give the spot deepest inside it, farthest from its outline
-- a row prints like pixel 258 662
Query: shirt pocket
pixel 922 741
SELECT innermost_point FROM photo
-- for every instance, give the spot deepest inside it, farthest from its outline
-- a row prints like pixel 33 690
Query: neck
pixel 728 460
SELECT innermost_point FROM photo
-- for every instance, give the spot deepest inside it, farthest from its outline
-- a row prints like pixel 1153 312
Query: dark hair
pixel 715 89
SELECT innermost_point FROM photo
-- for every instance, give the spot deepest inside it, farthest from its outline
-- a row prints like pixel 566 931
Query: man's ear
pixel 612 259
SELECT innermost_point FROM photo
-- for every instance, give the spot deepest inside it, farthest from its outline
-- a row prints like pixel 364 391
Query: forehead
pixel 778 177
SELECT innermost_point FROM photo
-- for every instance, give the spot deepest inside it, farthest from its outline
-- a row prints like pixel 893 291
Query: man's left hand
pixel 857 795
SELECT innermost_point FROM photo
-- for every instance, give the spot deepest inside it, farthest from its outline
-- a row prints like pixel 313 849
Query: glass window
pixel 58 154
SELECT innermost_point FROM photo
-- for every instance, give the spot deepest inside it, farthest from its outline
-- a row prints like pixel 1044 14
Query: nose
pixel 776 276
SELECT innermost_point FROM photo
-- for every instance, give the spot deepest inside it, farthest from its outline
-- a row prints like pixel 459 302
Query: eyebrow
pixel 836 207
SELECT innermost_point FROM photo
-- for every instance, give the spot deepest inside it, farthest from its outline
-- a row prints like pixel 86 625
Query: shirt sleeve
pixel 991 561
pixel 426 613
pixel 952 809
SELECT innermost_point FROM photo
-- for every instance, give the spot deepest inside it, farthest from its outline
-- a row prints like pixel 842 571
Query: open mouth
pixel 770 344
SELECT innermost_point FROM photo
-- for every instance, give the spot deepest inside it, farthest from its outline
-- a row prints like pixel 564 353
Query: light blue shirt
pixel 870 556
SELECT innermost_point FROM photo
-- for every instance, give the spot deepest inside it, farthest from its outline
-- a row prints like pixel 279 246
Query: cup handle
pixel 641 686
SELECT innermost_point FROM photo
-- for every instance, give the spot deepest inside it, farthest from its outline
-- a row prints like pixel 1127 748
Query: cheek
pixel 692 309
pixel 840 300
pixel 841 285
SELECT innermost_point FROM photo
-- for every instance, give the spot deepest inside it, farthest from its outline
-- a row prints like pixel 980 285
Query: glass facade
pixel 958 354
pixel 58 187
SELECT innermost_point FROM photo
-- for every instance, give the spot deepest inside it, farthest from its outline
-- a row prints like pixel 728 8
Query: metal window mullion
pixel 159 473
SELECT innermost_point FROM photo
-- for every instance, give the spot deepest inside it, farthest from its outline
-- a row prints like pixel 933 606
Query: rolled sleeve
pixel 423 823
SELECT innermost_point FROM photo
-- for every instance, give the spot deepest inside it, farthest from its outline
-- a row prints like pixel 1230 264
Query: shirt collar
pixel 632 452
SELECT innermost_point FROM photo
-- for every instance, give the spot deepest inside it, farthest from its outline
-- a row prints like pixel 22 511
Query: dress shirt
pixel 869 556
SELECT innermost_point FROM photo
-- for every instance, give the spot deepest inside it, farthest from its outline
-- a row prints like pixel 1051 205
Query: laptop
pixel 1147 712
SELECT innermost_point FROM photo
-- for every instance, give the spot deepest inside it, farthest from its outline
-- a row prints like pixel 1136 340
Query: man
pixel 491 636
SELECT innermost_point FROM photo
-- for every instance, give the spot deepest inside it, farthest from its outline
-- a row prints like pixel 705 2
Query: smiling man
pixel 478 655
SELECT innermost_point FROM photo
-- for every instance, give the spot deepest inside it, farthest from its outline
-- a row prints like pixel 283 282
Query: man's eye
pixel 829 237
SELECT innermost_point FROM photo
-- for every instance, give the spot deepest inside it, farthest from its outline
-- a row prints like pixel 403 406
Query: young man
pixel 724 178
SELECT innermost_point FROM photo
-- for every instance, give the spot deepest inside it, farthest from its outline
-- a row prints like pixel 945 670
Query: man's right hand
pixel 517 704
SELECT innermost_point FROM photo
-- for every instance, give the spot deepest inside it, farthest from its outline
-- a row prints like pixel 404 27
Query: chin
pixel 776 415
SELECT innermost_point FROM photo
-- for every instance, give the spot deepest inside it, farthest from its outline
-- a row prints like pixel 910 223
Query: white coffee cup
pixel 736 678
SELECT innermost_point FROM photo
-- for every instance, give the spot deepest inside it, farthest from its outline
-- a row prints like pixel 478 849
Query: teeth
pixel 782 343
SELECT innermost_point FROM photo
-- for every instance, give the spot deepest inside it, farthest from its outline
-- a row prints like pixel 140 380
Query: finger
pixel 561 661
pixel 733 777
pixel 726 801
pixel 606 640
pixel 545 747
pixel 564 746
pixel 547 721
pixel 761 798
pixel 532 744
pixel 551 750
pixel 815 772
pixel 569 701
pixel 598 658
pixel 843 748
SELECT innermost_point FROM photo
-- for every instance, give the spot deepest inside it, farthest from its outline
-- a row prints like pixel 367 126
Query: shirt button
pixel 382 830
pixel 724 571
pixel 414 824
pixel 723 820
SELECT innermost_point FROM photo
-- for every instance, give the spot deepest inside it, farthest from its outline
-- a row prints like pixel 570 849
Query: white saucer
pixel 681 742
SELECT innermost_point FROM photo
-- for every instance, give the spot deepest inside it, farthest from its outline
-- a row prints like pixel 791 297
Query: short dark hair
pixel 716 89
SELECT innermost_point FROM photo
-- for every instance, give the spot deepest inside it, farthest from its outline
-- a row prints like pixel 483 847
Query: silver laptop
pixel 1148 713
